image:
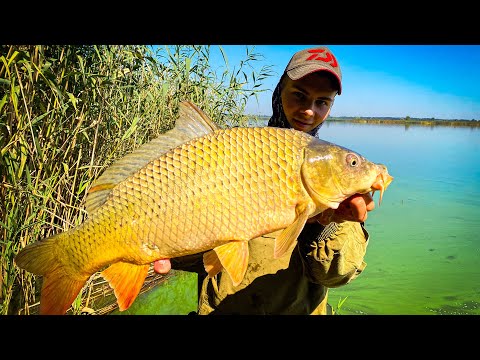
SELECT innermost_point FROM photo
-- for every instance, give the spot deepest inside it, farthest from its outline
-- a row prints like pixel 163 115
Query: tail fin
pixel 60 286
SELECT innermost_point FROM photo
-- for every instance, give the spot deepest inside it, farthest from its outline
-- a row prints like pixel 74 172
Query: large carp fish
pixel 197 188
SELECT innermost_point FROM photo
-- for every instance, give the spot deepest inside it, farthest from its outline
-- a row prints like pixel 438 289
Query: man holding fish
pixel 331 247
pixel 269 217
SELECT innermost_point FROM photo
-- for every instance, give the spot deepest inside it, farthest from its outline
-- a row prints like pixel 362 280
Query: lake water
pixel 424 250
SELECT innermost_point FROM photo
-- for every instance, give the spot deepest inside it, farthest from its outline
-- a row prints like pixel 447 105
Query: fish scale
pixel 197 189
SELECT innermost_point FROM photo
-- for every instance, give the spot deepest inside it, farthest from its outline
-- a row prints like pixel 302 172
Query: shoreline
pixel 393 121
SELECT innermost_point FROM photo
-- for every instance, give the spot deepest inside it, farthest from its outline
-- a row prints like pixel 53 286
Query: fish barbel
pixel 197 188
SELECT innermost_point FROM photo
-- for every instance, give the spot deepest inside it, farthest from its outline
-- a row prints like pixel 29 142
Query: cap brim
pixel 302 71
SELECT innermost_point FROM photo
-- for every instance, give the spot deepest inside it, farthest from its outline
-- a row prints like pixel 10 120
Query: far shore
pixel 395 121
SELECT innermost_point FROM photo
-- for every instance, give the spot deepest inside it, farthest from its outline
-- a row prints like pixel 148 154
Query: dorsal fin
pixel 192 122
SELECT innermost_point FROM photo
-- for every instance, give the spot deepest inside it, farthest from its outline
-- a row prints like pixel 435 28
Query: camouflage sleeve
pixel 334 254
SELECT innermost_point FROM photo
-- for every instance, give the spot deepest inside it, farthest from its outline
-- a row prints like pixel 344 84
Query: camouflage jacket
pixel 297 283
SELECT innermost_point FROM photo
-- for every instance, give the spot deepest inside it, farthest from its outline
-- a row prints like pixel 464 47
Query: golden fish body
pixel 194 194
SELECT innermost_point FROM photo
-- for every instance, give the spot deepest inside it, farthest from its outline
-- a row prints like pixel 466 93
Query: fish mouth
pixel 381 183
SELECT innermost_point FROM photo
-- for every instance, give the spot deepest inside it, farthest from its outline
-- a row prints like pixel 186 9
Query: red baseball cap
pixel 307 61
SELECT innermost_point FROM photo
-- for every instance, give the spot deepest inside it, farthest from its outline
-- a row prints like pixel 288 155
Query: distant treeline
pixel 397 121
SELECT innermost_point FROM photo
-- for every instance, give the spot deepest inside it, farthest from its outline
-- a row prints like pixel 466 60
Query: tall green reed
pixel 67 112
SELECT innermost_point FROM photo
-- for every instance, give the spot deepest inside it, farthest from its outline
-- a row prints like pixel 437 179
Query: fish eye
pixel 353 160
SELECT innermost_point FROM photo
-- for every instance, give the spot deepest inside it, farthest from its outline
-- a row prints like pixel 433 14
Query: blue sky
pixel 421 81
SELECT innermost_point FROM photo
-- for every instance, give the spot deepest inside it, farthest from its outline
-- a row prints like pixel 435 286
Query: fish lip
pixel 381 182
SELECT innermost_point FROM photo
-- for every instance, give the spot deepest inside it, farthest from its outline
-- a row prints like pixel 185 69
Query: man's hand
pixel 355 208
pixel 162 266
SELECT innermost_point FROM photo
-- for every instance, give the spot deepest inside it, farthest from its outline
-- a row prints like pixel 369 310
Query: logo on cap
pixel 327 58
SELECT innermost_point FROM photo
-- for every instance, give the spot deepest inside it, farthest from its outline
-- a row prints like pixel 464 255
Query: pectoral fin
pixel 232 256
pixel 126 280
pixel 289 236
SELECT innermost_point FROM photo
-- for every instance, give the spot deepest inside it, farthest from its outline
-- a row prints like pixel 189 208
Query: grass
pixel 67 112
pixel 337 310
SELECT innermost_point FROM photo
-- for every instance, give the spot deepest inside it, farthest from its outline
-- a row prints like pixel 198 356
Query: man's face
pixel 307 101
